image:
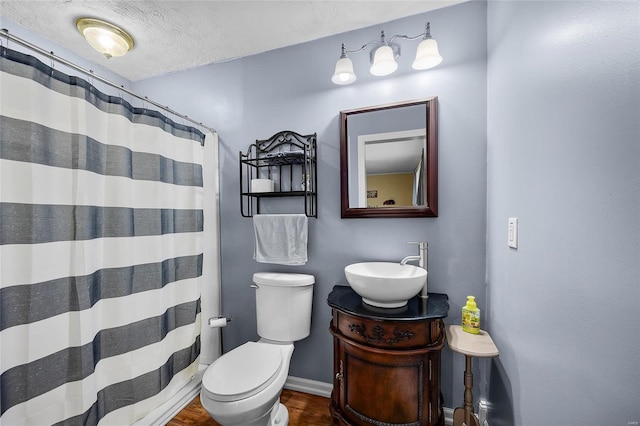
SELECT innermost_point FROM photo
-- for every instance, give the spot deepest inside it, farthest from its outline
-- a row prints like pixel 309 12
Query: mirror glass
pixel 388 156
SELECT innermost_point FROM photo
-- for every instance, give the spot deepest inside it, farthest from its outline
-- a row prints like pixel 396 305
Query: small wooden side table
pixel 470 345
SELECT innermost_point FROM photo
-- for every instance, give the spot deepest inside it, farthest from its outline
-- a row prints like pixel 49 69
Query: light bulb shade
pixel 344 72
pixel 427 55
pixel 384 62
pixel 105 37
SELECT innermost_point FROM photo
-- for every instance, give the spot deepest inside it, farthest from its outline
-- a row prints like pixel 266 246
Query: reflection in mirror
pixel 389 160
pixel 390 169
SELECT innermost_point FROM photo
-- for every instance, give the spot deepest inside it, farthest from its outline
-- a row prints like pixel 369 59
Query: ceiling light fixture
pixel 106 38
pixel 383 57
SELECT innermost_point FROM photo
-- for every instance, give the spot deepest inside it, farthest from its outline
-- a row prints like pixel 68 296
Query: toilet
pixel 243 386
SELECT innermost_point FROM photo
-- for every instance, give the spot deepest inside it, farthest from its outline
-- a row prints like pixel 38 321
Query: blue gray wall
pixel 564 157
pixel 254 97
pixel 543 126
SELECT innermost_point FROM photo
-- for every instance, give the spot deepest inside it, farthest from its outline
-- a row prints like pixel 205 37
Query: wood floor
pixel 304 410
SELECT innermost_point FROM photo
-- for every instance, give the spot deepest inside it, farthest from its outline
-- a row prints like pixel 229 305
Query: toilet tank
pixel 283 305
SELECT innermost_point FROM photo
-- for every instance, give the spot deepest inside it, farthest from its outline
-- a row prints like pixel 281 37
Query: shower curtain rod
pixel 63 61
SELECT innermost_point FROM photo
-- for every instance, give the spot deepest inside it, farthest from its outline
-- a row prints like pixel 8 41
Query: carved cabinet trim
pixel 378 334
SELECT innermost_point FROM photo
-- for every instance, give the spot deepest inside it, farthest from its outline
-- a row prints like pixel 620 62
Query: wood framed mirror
pixel 389 160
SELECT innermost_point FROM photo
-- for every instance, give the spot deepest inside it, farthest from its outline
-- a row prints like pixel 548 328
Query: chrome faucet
pixel 423 261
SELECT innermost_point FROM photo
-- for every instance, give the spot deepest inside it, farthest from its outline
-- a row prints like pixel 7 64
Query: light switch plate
pixel 512 236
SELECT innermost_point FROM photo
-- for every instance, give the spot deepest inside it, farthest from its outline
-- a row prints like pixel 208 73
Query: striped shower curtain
pixel 100 251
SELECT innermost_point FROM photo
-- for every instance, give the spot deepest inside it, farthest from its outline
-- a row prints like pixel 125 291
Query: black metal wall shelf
pixel 289 159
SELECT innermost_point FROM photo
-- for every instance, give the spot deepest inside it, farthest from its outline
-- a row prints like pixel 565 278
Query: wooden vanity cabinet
pixel 386 371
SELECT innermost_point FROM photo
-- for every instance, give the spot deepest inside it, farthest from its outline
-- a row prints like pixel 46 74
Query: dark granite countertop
pixel 345 299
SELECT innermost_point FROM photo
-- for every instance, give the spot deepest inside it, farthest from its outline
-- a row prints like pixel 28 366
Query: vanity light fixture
pixel 383 57
pixel 106 38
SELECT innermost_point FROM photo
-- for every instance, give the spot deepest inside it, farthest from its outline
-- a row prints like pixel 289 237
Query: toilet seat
pixel 243 372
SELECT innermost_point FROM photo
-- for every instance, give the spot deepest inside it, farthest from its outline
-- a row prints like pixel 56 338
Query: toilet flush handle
pixel 254 286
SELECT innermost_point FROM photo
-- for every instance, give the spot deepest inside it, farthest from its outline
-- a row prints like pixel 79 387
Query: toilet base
pixel 279 415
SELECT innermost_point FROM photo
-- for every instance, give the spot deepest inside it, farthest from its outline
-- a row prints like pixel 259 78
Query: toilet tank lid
pixel 278 279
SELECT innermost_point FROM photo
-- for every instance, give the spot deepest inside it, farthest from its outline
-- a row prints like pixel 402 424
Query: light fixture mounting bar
pixel 364 46
pixel 425 34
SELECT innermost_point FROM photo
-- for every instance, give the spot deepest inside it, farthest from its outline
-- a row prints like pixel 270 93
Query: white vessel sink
pixel 385 284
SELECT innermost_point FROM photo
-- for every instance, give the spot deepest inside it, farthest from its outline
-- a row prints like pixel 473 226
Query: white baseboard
pixel 448 416
pixel 313 387
pixel 167 411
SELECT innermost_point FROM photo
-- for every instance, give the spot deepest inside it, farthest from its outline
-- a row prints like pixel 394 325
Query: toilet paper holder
pixel 219 321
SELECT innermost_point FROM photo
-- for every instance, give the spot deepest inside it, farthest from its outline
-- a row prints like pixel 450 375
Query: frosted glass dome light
pixel 104 37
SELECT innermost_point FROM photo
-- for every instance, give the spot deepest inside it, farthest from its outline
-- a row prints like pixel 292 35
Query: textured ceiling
pixel 176 35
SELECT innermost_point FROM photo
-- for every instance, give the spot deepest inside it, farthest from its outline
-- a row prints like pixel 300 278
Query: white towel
pixel 280 238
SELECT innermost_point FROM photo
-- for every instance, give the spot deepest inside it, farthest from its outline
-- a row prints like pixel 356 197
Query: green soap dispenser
pixel 471 316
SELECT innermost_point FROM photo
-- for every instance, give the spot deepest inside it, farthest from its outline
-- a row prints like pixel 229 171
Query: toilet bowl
pixel 243 386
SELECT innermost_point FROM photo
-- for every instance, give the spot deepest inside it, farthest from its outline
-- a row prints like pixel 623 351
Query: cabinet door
pixel 383 387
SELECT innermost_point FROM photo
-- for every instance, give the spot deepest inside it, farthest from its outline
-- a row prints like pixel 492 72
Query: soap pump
pixel 471 316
